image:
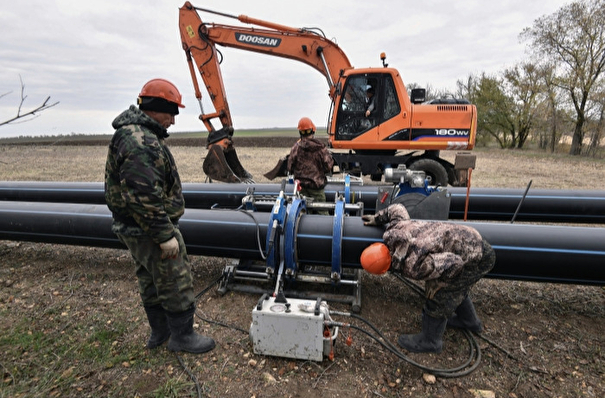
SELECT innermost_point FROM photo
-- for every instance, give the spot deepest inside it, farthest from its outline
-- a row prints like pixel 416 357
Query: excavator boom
pixel 199 41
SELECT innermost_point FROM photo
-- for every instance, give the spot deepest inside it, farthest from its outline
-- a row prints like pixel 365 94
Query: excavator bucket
pixel 222 164
pixel 280 169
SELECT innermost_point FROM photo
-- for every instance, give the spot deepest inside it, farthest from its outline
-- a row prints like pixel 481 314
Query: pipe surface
pixel 540 205
pixel 541 253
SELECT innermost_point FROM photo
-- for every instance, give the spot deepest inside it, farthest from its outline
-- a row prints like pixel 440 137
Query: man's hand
pixel 170 248
pixel 369 220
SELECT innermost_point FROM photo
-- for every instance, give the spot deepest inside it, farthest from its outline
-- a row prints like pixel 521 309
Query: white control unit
pixel 291 330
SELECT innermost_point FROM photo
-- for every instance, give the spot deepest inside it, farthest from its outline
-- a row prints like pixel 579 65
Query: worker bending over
pixel 450 257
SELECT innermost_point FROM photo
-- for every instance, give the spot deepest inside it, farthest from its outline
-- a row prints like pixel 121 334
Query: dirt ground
pixel 72 324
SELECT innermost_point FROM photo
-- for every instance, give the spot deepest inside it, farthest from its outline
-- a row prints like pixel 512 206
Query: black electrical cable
pixel 445 373
pixel 260 249
pixel 473 360
pixel 247 213
pixel 204 291
pixel 464 365
pixel 190 374
pixel 183 365
pixel 417 289
pixel 473 345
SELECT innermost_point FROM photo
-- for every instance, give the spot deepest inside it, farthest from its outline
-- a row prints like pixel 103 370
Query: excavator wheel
pixel 435 172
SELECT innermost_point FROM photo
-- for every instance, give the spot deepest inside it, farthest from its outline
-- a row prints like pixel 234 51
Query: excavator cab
pixel 367 100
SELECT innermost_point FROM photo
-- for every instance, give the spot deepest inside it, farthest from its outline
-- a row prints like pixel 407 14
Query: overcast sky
pixel 94 57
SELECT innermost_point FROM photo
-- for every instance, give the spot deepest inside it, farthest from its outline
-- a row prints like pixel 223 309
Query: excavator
pixel 372 117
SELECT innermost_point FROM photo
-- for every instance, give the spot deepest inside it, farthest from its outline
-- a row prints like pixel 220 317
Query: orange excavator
pixel 372 116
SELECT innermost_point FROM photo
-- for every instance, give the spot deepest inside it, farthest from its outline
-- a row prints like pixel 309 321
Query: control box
pixel 293 329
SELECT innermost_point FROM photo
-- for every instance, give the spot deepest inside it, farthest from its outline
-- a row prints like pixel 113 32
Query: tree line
pixel 558 90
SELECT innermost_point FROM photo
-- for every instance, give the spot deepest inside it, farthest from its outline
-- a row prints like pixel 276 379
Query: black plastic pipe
pixel 524 252
pixel 540 205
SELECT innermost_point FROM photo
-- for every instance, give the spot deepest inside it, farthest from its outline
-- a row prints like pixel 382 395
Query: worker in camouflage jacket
pixel 309 161
pixel 450 257
pixel 144 193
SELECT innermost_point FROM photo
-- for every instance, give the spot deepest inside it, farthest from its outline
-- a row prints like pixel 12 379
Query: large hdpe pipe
pixel 540 205
pixel 524 252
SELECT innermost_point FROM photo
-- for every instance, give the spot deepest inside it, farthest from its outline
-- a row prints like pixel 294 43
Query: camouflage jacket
pixel 426 250
pixel 309 161
pixel 142 184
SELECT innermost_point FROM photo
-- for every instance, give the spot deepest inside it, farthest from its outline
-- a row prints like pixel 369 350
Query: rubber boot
pixel 429 340
pixel 182 337
pixel 466 317
pixel 160 332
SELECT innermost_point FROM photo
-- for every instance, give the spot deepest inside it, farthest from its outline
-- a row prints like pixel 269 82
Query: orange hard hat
pixel 376 258
pixel 161 88
pixel 306 126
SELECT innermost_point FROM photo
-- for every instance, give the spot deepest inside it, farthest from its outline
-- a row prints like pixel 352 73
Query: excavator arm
pixel 199 41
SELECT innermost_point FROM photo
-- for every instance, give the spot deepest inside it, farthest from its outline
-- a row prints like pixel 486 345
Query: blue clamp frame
pixel 337 232
pixel 276 224
pixel 348 198
pixel 294 211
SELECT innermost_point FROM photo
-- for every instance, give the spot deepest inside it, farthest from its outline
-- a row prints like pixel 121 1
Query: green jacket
pixel 142 184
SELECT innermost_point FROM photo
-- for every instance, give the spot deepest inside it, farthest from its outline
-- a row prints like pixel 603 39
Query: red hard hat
pixel 306 126
pixel 376 258
pixel 161 88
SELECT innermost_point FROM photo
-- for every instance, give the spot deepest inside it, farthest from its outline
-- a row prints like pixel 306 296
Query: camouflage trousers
pixel 318 195
pixel 167 282
pixel 449 297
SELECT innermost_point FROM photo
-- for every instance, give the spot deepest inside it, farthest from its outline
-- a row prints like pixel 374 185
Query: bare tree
pixel 30 115
pixel 573 38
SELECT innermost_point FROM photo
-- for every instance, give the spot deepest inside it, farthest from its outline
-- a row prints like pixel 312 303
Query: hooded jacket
pixel 309 161
pixel 142 185
pixel 428 250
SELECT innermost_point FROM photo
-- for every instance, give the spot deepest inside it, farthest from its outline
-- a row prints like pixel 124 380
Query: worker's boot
pixel 182 337
pixel 159 326
pixel 429 340
pixel 466 317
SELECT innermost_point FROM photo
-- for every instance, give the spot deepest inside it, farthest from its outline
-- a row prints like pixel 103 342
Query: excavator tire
pixel 435 172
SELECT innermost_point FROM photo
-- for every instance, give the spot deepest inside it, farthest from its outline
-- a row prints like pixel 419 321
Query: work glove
pixel 369 220
pixel 170 248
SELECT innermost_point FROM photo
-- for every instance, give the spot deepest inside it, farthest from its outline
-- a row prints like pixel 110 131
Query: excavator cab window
pixel 391 102
pixel 367 101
